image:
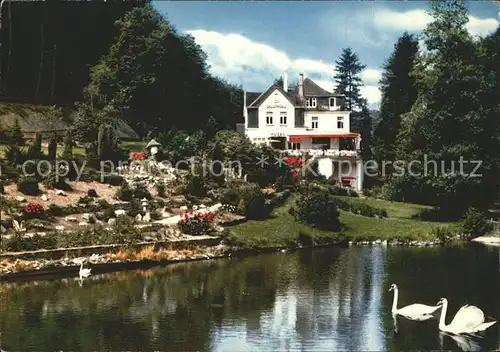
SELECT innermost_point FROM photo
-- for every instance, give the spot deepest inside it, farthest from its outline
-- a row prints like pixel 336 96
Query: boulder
pixel 83 223
pixel 60 228
pixel 60 192
pixel 44 197
pixel 111 221
pixel 71 218
pixel 20 199
pixel 119 212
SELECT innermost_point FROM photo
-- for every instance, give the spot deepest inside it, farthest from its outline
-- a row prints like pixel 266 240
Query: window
pixel 314 122
pixel 276 100
pixel 283 118
pixel 269 118
pixel 340 123
pixel 311 102
pixel 294 146
pixel 332 101
pixel 320 143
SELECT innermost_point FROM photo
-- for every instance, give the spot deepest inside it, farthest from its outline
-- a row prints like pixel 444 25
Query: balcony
pixel 319 152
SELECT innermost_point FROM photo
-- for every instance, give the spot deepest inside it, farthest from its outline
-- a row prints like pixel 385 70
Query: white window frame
pixel 334 102
pixel 314 122
pixel 340 120
pixel 283 118
pixel 269 119
pixel 311 102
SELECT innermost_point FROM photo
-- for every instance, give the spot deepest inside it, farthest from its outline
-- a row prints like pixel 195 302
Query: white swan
pixel 413 311
pixel 468 320
pixel 84 272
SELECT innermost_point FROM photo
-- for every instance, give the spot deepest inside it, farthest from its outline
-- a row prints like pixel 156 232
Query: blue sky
pixel 251 43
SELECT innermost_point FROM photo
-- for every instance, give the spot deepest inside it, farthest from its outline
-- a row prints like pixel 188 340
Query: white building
pixel 307 119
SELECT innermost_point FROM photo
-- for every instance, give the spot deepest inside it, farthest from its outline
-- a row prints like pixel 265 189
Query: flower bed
pixel 139 156
pixel 34 210
pixel 195 223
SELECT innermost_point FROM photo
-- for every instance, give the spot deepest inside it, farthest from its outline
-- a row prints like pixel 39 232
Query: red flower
pixel 34 208
pixel 139 156
pixel 294 173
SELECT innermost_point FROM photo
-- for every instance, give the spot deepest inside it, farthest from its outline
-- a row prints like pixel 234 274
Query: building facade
pixel 306 120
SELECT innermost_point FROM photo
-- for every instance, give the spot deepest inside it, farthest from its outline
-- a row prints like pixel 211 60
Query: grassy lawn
pixel 77 152
pixel 281 229
pixel 396 210
pixel 133 146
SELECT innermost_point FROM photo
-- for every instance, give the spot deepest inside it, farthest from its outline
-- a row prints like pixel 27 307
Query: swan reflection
pixel 465 343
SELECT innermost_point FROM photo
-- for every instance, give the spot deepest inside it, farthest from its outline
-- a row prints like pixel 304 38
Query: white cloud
pixel 417 19
pixel 411 20
pixel 255 65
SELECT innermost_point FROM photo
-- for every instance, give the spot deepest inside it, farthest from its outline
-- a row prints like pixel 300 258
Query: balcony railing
pixel 318 152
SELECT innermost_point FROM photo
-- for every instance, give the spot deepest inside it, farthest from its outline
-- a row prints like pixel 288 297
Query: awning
pixel 348 178
pixel 343 135
pixel 295 139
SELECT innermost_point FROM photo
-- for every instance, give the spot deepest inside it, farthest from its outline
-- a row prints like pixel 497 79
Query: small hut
pixel 153 147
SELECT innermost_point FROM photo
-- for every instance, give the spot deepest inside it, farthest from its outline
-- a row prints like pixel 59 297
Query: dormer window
pixel 311 102
pixel 332 102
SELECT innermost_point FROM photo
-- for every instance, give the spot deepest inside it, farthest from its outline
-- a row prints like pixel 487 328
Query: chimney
pixel 301 85
pixel 285 82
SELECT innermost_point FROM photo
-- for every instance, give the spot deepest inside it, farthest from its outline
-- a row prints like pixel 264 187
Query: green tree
pixel 16 134
pixel 68 146
pixel 348 69
pixel 450 118
pixel 35 149
pixel 399 93
pixel 53 148
pixel 217 158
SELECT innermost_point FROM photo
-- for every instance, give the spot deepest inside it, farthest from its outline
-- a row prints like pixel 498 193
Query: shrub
pixel 134 208
pixel 28 186
pixel 253 202
pixel 85 200
pixel 34 210
pixel 19 243
pixel 53 180
pixel 141 191
pixel 108 214
pixel 124 193
pixel 55 210
pixel 319 210
pixel 195 223
pixel 113 180
pixel 160 188
pixel 92 193
pixel 14 155
pixel 474 223
pixel 442 233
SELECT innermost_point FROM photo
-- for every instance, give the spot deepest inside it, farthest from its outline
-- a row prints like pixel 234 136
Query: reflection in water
pixel 324 299
pixel 465 343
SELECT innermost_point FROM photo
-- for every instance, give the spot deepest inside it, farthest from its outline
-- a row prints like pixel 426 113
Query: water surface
pixel 329 299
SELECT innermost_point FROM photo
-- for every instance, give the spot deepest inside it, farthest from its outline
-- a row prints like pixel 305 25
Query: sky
pixel 253 42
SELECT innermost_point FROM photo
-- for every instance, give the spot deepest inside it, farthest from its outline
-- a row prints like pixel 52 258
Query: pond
pixel 327 299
